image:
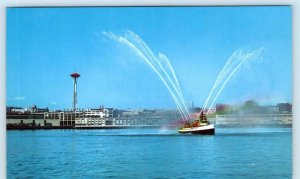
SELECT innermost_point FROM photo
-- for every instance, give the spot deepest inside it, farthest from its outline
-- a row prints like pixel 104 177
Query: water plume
pixel 220 77
pixel 157 63
pixel 161 66
pixel 230 69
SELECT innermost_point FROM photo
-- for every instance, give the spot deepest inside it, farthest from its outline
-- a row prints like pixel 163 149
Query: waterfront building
pixel 130 112
pixel 65 118
pixel 255 119
pixel 284 107
pixel 269 109
pixel 112 112
pixel 99 113
pixel 29 120
pixel 222 108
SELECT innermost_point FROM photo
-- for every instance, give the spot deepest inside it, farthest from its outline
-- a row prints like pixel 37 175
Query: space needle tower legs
pixel 75 76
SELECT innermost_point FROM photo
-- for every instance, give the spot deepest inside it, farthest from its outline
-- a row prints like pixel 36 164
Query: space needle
pixel 75 76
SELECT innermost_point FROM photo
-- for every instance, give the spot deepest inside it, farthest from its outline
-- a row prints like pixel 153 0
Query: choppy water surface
pixel 149 153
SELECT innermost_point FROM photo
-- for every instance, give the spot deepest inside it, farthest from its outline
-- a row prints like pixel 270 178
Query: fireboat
pixel 198 126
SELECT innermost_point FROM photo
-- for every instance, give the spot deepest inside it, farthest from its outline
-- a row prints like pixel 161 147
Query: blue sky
pixel 45 45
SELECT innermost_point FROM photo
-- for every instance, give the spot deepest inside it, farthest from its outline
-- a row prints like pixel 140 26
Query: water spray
pixel 154 63
pixel 242 58
pixel 220 77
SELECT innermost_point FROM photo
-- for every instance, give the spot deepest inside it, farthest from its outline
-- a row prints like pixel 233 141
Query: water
pixel 149 153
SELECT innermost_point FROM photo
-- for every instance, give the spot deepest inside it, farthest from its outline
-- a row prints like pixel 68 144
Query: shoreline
pixel 142 127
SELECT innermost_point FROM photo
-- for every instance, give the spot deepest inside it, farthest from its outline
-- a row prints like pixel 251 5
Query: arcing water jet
pixel 139 47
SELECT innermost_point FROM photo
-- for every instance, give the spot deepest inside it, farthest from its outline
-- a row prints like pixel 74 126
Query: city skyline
pixel 45 45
